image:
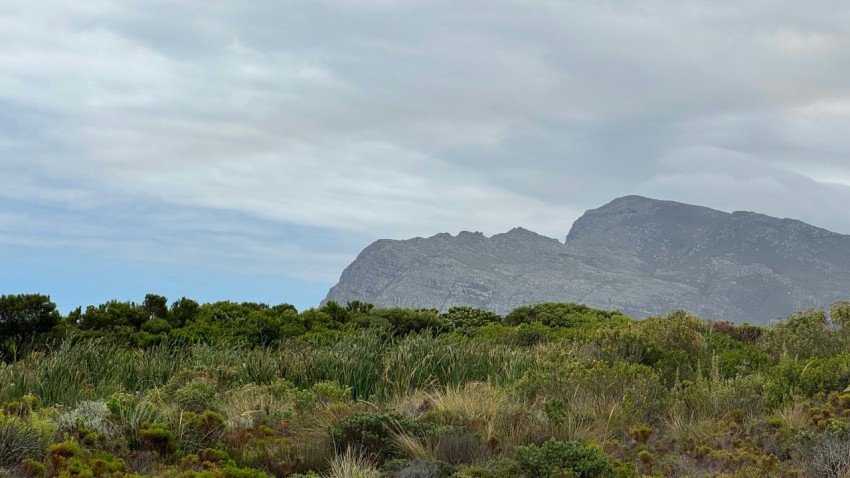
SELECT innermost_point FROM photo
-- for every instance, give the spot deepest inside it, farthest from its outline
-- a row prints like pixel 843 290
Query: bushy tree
pixel 565 315
pixel 156 306
pixel 25 316
pixel 183 311
pixel 402 322
pixel 113 314
pixel 803 335
pixel 463 318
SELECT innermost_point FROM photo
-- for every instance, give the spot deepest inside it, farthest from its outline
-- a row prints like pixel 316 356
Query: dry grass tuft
pixel 689 430
pixel 501 420
pixel 310 436
pixel 415 448
pixel 242 406
pixel 352 464
pixel 795 416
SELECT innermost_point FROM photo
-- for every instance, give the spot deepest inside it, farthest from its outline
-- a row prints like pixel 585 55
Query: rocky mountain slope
pixel 642 256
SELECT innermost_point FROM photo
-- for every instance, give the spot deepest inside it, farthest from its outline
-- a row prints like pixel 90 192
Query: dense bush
pixel 402 322
pixel 554 459
pixel 466 319
pixel 565 315
pixel 373 433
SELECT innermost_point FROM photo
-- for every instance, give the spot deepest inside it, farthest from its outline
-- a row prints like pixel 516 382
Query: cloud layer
pixel 281 137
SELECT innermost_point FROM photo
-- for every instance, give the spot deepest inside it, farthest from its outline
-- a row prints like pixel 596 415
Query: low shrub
pixel 88 422
pixel 372 433
pixel 199 430
pixel 157 437
pixel 554 457
pixel 197 395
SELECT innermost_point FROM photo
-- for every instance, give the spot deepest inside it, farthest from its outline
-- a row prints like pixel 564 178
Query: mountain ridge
pixel 640 255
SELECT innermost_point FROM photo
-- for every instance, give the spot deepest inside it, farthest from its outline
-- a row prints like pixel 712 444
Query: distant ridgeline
pixel 641 256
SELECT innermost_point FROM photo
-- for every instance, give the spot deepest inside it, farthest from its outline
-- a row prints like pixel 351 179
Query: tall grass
pixel 422 362
pixel 371 366
pixel 89 370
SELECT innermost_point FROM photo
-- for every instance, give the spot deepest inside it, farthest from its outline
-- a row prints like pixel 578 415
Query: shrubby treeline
pixel 30 321
pixel 250 390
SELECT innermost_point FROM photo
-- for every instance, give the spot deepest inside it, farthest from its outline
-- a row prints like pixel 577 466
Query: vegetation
pixel 552 390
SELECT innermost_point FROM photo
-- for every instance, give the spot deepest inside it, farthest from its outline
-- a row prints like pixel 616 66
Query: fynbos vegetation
pixel 552 390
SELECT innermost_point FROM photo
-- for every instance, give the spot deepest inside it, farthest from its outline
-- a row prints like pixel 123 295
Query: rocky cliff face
pixel 642 256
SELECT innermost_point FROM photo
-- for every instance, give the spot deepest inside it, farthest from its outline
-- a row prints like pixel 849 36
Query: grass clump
pixel 19 441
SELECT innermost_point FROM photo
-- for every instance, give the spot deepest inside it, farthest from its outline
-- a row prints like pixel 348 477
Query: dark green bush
pixel 464 318
pixel 500 468
pixel 555 457
pixel 201 430
pixel 372 432
pixel 157 437
pixel 401 322
pixel 529 334
pixel 565 315
pixel 196 396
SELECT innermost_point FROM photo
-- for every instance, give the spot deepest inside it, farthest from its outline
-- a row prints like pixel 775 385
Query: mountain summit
pixel 639 255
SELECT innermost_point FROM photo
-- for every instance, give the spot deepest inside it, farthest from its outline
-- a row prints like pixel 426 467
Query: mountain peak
pixel 640 255
pixel 651 218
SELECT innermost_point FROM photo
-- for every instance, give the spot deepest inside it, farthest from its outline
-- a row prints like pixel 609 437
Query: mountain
pixel 639 255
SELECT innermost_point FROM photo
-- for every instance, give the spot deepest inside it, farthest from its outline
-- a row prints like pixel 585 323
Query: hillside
pixel 639 255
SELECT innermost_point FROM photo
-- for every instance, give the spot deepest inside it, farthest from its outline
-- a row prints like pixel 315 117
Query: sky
pixel 247 151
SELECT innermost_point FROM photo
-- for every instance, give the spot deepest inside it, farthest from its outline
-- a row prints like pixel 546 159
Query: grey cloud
pixel 162 234
pixel 391 119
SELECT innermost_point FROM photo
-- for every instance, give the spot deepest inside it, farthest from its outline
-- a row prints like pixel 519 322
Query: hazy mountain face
pixel 642 256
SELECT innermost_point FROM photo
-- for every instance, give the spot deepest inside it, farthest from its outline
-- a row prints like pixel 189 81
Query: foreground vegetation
pixel 554 390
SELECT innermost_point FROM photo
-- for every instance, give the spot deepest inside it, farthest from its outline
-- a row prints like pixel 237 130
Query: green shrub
pixel 803 335
pixel 555 411
pixel 673 345
pixel 641 433
pixel 31 467
pixel 634 389
pixel 565 315
pixel 527 335
pixel 372 433
pixel 328 392
pixel 157 437
pixel 196 396
pixel 71 460
pixel 129 413
pixel 465 318
pixel 401 322
pixel 199 430
pixel 555 457
pixel 156 326
pixel 824 375
pixel 501 468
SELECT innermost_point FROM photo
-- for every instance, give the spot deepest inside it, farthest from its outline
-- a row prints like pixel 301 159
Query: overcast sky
pixel 249 150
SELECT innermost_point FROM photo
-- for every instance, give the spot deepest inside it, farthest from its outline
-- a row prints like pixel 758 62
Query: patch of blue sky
pixel 81 279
